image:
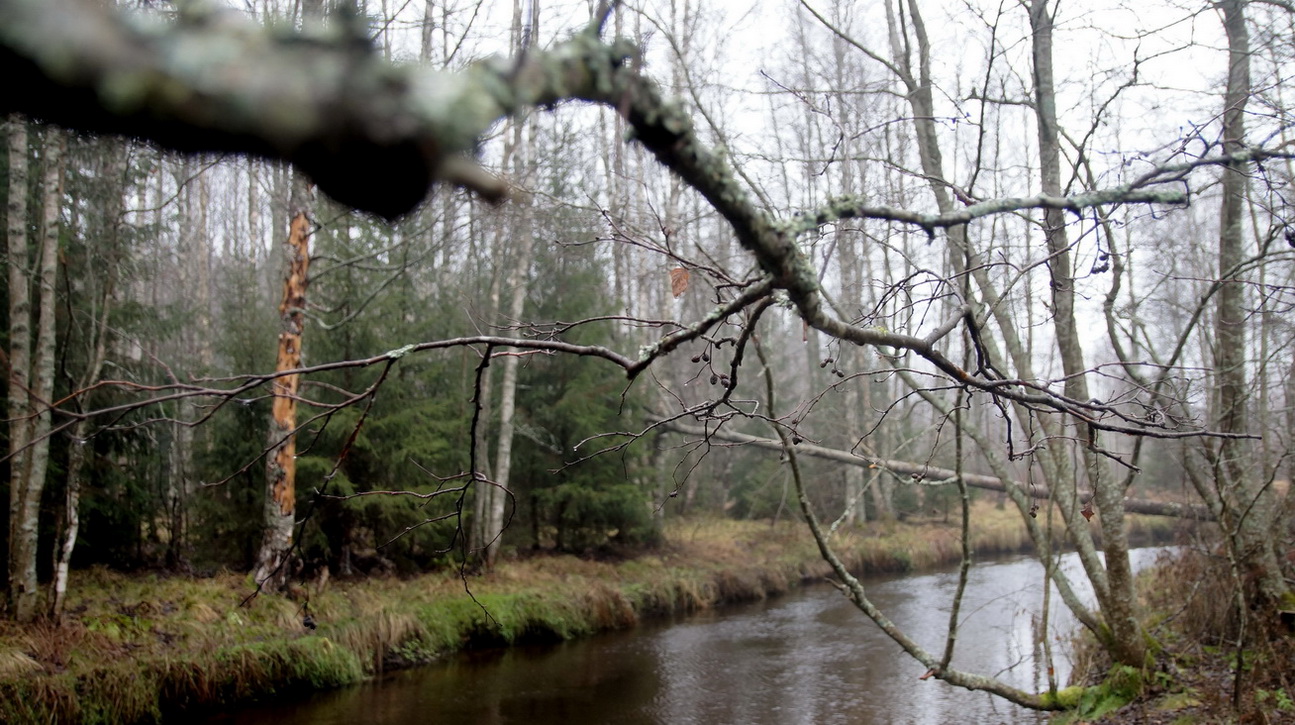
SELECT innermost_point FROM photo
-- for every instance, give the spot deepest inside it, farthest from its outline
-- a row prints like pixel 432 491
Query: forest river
pixel 805 657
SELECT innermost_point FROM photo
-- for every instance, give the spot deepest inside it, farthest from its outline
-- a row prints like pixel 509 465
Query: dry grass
pixel 16 663
pixel 177 642
pixel 1189 604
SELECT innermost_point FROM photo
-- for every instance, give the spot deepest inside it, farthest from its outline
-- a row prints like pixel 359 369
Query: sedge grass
pixel 134 648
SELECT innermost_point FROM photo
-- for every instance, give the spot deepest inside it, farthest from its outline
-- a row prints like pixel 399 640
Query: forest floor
pixel 137 647
pixel 1189 610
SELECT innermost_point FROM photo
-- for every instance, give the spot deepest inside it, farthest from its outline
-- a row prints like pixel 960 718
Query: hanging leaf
pixel 678 281
pixel 1088 511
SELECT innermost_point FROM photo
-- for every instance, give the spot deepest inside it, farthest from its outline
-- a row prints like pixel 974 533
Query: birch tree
pixel 107 251
pixel 31 379
pixel 18 389
pixel 514 232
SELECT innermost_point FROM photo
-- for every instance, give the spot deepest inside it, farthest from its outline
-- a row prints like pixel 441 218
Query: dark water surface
pixel 807 657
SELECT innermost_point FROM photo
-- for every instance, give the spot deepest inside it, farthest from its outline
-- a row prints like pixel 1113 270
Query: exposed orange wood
pixel 284 411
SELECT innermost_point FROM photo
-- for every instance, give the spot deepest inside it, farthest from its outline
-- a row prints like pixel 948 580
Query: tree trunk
pixel 494 498
pixel 1247 503
pixel 281 465
pixel 19 400
pixel 76 458
pixel 517 281
pixel 32 376
pixel 1119 606
pixel 480 535
pixel 79 449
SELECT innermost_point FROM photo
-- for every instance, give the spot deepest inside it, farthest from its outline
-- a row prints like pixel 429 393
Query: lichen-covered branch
pixel 852 207
pixel 376 136
pixel 371 134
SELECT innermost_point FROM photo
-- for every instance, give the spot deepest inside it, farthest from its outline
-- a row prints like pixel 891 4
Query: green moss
pixel 1124 681
pixel 1178 701
pixel 1121 686
pixel 1066 698
pixel 173 644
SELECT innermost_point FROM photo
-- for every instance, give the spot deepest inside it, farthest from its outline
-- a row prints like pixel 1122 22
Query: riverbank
pixel 134 648
pixel 1189 604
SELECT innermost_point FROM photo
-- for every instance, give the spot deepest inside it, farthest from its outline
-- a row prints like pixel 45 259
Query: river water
pixel 805 657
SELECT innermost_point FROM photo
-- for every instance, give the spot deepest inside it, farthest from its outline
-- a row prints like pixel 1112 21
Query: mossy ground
pixel 134 648
pixel 1189 607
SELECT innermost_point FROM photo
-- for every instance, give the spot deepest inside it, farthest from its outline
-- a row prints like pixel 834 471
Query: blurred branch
pixel 376 135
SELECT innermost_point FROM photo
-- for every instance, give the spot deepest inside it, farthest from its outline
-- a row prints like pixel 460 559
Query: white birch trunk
pixel 19 399
pixel 79 449
pixel 29 481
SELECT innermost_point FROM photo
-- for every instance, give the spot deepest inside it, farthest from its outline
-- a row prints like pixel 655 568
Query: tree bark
pixel 1119 605
pixel 19 388
pixel 30 390
pixel 80 447
pixel 1247 503
pixel 498 494
pixel 518 284
pixel 281 465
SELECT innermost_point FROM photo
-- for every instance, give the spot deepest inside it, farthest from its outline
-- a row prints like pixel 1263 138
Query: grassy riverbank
pixel 1190 606
pixel 133 648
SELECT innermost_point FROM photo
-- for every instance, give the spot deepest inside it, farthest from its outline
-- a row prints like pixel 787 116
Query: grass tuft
pixel 144 647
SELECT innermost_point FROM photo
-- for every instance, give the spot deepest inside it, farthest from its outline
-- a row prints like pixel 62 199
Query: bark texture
pixel 19 388
pixel 32 377
pixel 1245 501
pixel 281 462
pixel 1126 642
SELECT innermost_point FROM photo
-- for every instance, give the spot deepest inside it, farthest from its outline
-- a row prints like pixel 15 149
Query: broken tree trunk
pixel 281 463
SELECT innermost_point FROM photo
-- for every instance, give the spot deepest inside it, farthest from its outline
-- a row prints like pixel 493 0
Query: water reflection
pixel 809 657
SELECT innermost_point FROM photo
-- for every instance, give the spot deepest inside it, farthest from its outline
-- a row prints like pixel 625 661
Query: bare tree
pixel 1240 492
pixel 379 136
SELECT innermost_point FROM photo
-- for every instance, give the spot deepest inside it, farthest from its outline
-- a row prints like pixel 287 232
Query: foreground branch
pixel 854 588
pixel 376 136
pixel 373 135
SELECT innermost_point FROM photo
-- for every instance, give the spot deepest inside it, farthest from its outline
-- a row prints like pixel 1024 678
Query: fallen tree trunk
pixel 918 473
